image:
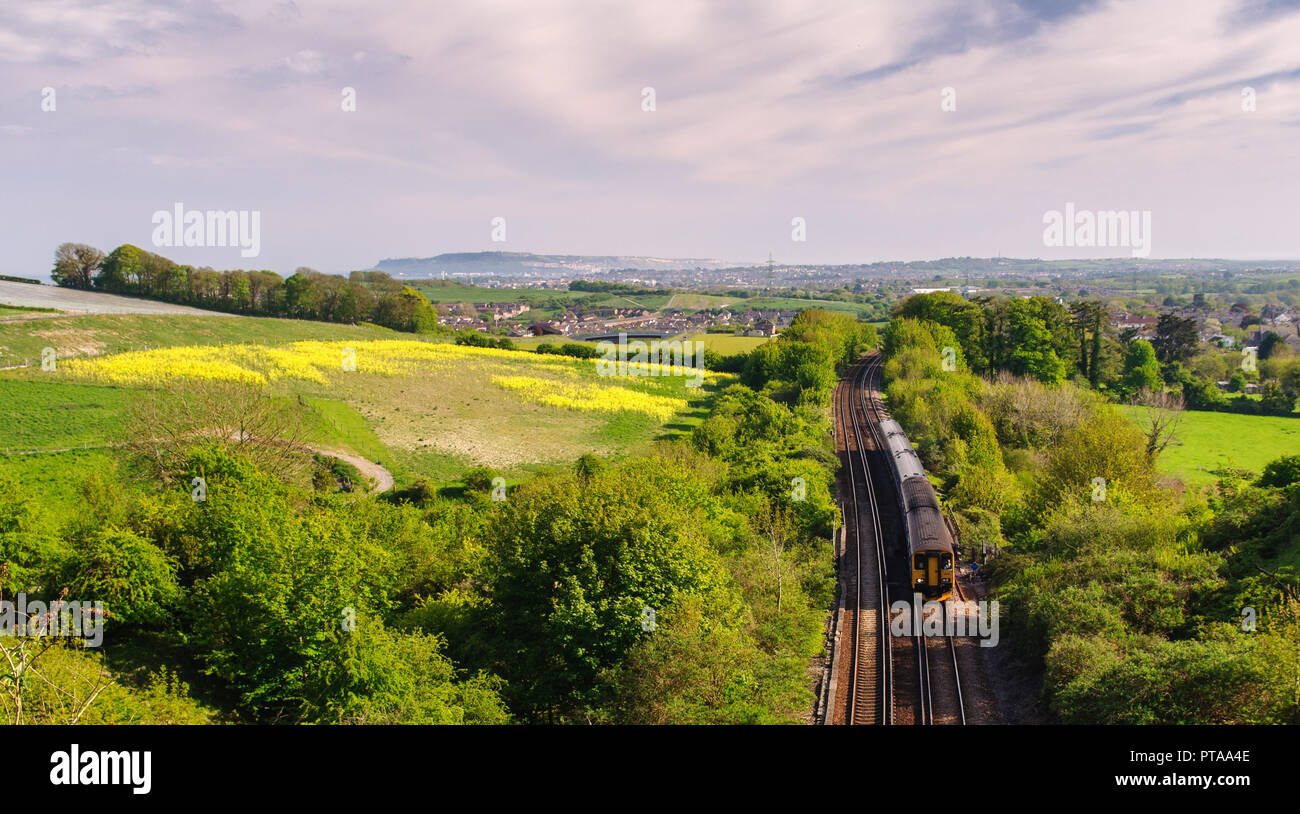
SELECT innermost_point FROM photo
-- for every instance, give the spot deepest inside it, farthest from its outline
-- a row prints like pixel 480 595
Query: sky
pixel 534 111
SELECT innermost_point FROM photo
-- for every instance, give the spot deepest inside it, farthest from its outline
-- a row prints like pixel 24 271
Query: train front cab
pixel 932 574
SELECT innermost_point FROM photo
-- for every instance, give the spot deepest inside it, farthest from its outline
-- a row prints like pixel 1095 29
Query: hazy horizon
pixel 44 274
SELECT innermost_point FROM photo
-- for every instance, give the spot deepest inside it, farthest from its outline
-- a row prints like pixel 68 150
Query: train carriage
pixel 931 556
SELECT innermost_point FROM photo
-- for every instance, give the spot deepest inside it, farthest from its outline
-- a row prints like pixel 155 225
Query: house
pixel 548 328
pixel 1127 322
pixel 499 310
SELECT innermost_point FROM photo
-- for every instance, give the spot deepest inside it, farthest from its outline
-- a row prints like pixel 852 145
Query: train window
pixel 947 562
pixel 919 562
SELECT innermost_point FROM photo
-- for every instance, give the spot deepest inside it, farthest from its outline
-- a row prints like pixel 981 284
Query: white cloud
pixel 474 108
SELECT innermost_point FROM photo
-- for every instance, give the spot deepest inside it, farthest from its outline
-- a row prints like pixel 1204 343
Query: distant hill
pixel 519 264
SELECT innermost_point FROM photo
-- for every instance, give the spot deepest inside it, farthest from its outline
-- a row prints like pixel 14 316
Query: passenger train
pixel 929 545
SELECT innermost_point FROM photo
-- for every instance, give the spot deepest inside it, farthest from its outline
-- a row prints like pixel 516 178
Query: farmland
pixel 797 303
pixel 422 409
pixel 691 301
pixel 544 301
pixel 1207 441
pixel 22 341
pixel 727 344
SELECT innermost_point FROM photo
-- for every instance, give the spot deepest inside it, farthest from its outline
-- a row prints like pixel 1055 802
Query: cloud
pixel 468 110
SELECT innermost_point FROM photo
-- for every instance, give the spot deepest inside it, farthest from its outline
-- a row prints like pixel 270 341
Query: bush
pixel 1282 472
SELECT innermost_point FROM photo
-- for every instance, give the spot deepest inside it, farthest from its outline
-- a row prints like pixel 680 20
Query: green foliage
pixel 478 339
pixel 29 548
pixel 383 676
pixel 574 564
pixel 1141 369
pixel 694 672
pixel 800 367
pixel 575 349
pixel 1106 446
pixel 1282 472
pixel 134 579
pixel 1028 337
pixel 1273 400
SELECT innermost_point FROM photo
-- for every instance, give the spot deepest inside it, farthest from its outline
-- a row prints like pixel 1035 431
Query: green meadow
pixel 1206 441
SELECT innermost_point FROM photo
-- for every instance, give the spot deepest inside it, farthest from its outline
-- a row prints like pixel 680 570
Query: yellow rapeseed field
pixel 594 397
pixel 570 384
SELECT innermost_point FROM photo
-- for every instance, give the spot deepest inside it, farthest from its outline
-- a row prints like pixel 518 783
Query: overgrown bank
pixel 1142 605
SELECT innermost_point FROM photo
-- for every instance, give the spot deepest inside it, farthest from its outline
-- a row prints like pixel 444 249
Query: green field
pixel 690 301
pixel 21 342
pixel 41 413
pixel 1206 441
pixel 728 344
pixel 796 304
pixel 59 478
pixel 545 302
pixel 25 311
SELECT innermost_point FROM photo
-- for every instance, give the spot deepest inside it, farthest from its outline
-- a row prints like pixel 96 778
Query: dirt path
pixel 381 477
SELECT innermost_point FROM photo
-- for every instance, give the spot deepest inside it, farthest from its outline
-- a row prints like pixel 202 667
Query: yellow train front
pixel 928 542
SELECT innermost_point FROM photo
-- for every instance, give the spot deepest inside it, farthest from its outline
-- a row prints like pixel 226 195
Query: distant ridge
pixel 518 264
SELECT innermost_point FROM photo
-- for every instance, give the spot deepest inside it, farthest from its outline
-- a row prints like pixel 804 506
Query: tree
pixel 1162 412
pixel 121 269
pixel 1090 324
pixel 1028 338
pixel 777 526
pixel 964 317
pixel 1281 472
pixel 575 565
pixel 132 576
pixel 244 418
pixel 1176 338
pixel 1203 395
pixel 75 265
pixel 1270 344
pixel 1141 370
pixel 589 466
pixel 1275 400
pixel 1106 446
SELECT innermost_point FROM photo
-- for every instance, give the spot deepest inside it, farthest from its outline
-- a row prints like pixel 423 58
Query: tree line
pixel 1043 339
pixel 363 296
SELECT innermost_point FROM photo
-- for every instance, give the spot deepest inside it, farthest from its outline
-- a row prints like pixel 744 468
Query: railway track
pixel 930 678
pixel 870 690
